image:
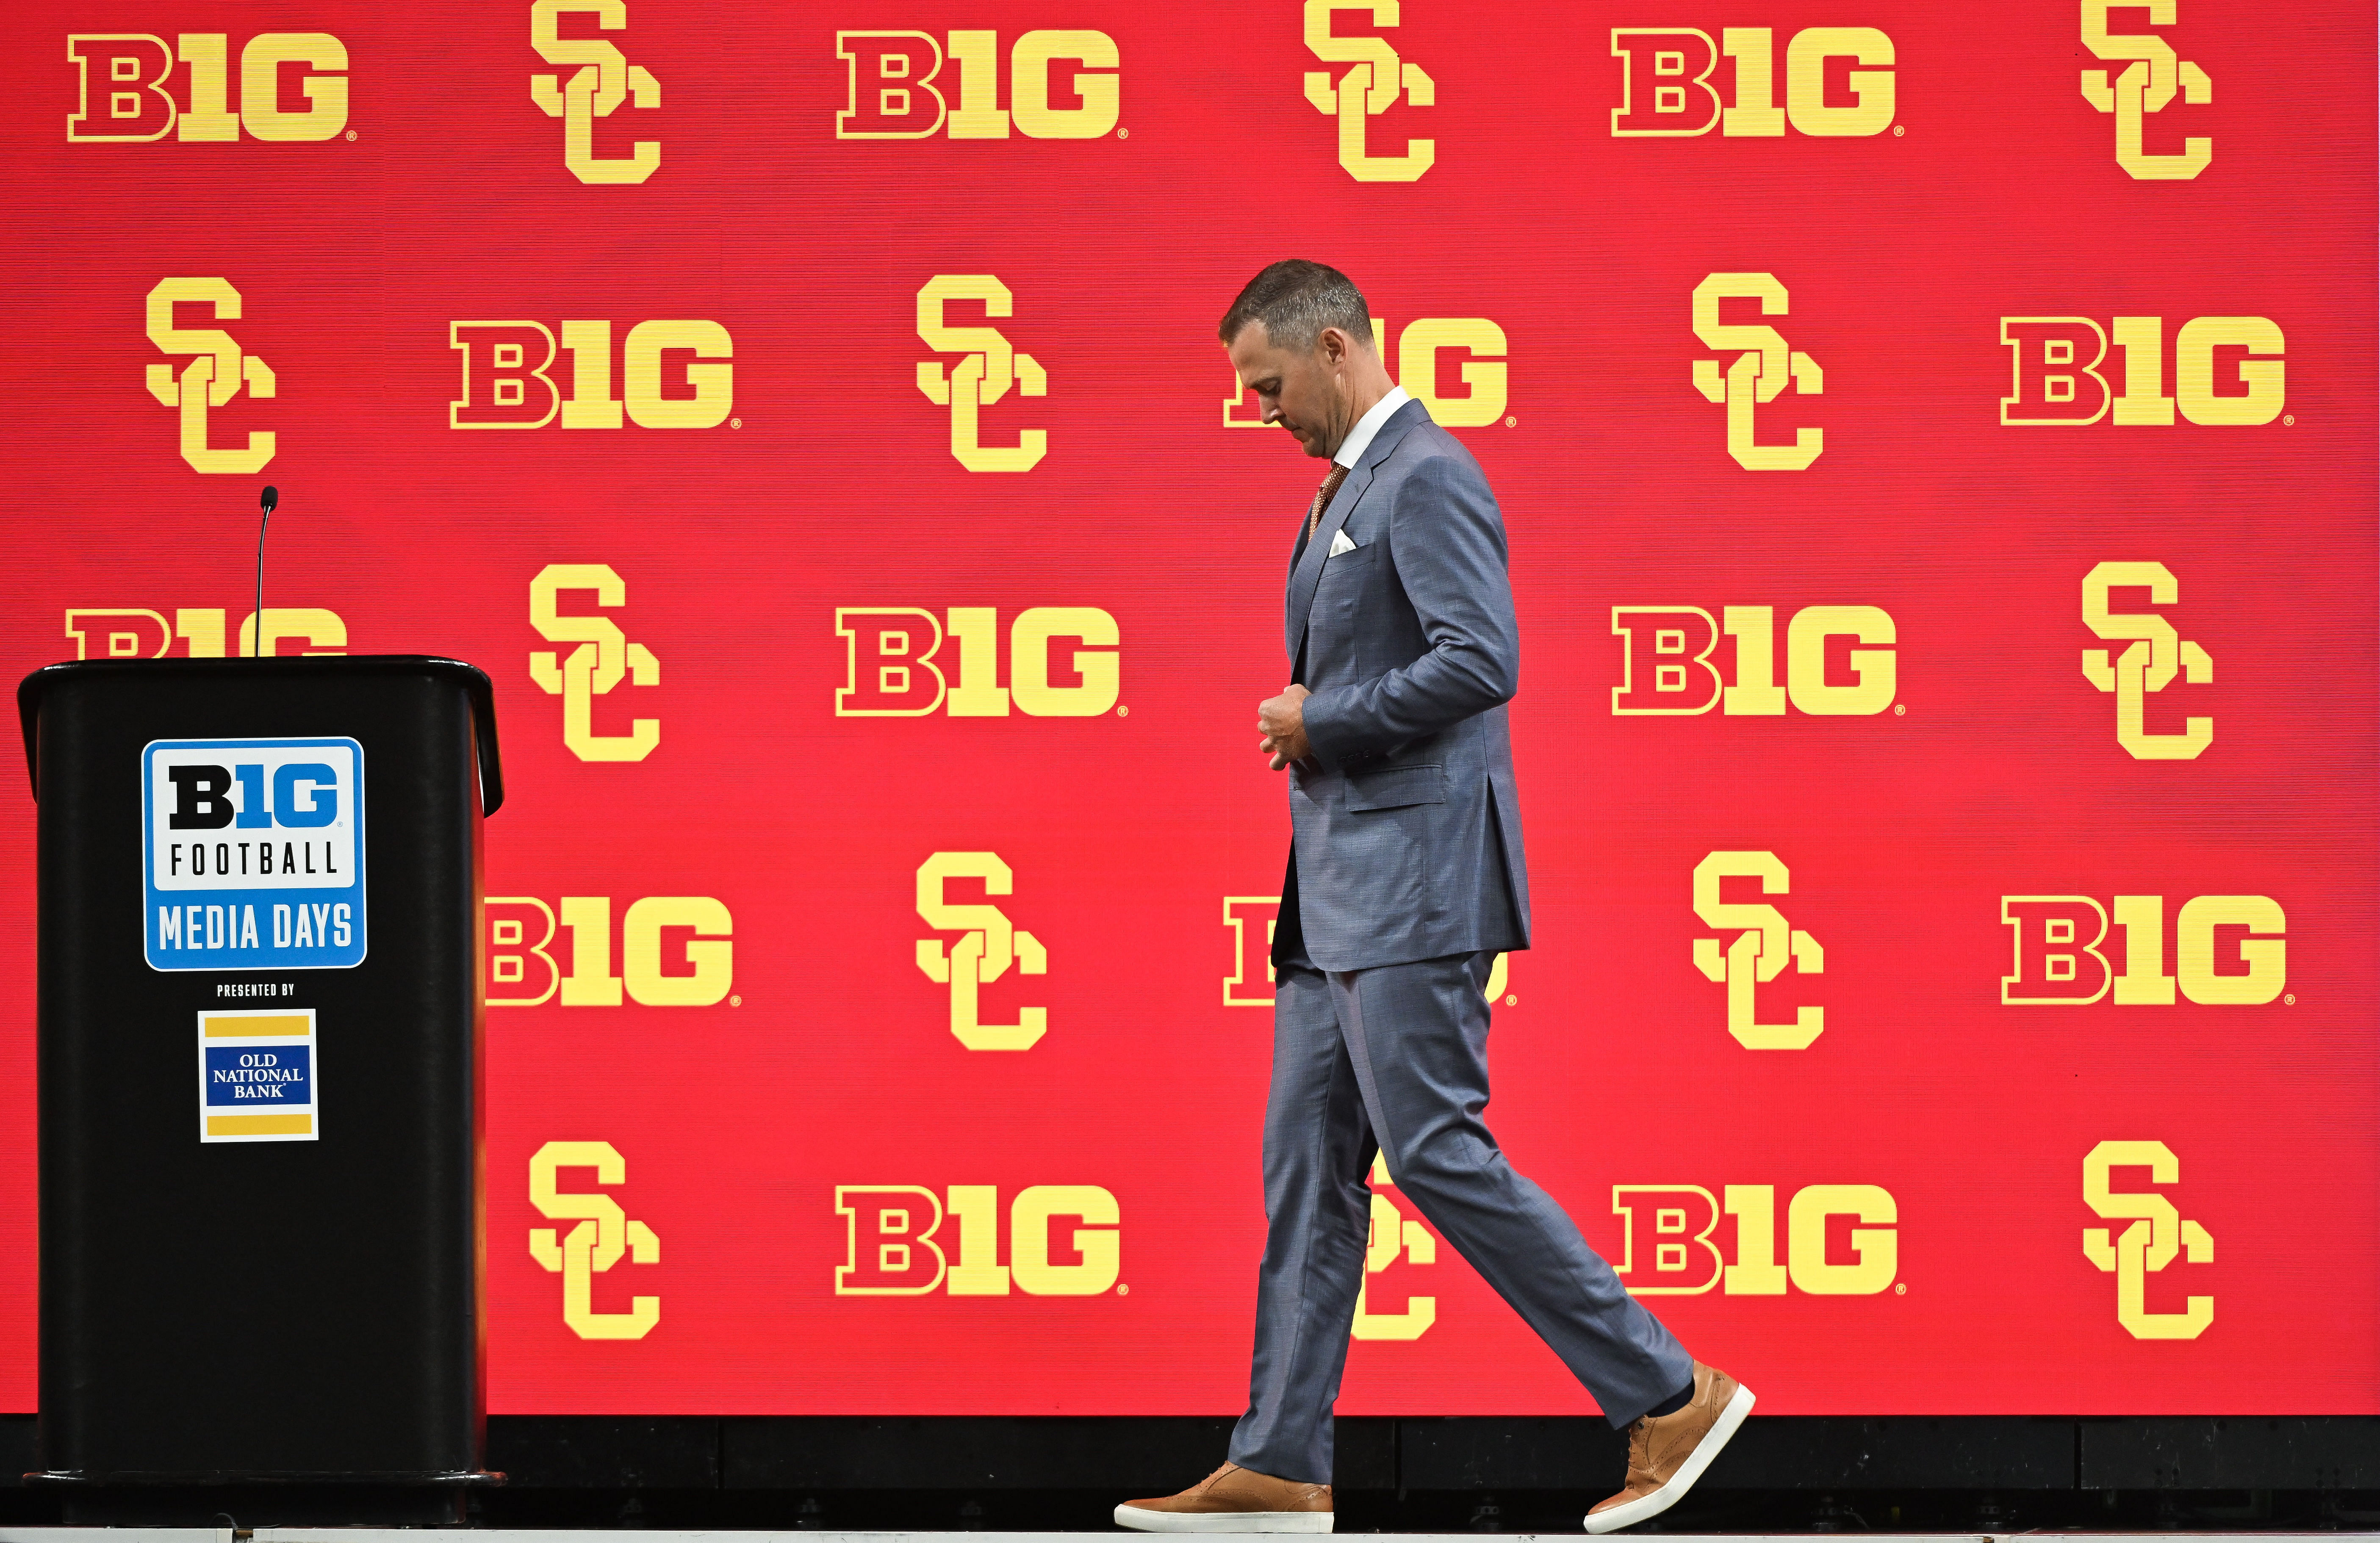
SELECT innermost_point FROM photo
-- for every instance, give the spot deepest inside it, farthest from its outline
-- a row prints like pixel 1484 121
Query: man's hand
pixel 1281 721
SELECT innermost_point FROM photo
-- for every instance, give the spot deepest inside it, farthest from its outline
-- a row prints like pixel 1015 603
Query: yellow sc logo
pixel 603 1235
pixel 604 79
pixel 2157 1234
pixel 2152 75
pixel 982 376
pixel 1374 82
pixel 603 658
pixel 214 375
pixel 1759 373
pixel 988 944
pixel 2154 655
pixel 1759 953
pixel 1393 1236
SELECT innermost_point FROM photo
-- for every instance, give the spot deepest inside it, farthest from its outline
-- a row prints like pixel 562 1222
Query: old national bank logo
pixel 2152 655
pixel 1666 669
pixel 2058 948
pixel 604 79
pixel 890 91
pixel 2158 1233
pixel 1375 81
pixel 1763 367
pixel 986 370
pixel 1473 347
pixel 987 945
pixel 2056 380
pixel 1757 954
pixel 602 660
pixel 895 1243
pixel 217 372
pixel 2150 75
pixel 603 1236
pixel 125 88
pixel 1666 90
pixel 675 373
pixel 1667 1249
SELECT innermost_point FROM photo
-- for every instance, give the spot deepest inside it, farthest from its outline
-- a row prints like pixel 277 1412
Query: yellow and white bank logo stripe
pixel 258 1076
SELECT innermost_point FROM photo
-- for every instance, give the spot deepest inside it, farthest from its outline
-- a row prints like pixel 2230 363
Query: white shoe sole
pixel 1142 1520
pixel 1730 1420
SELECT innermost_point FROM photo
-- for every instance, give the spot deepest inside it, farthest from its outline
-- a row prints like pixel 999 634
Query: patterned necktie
pixel 1322 500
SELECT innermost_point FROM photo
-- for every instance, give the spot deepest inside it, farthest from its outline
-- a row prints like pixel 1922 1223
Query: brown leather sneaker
pixel 1666 1455
pixel 1233 1499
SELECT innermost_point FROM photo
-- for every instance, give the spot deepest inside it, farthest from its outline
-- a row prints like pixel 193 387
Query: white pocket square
pixel 1338 543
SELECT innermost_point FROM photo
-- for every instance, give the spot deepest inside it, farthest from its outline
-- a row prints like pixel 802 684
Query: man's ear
pixel 1335 346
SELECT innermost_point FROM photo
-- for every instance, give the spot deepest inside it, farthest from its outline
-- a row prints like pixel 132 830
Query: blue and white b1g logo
pixel 253 854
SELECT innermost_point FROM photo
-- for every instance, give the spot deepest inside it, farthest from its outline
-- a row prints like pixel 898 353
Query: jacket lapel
pixel 1308 574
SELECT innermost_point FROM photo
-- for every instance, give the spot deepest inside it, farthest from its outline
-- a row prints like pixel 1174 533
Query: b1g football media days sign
pixel 1935 445
pixel 252 859
pixel 253 853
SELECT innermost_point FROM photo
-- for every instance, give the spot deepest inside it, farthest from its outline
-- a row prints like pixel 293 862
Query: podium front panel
pixel 258 1055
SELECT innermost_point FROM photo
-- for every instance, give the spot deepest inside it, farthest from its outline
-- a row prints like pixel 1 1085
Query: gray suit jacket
pixel 1407 839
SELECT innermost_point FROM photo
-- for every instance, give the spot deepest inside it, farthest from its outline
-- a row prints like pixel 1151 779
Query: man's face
pixel 1301 390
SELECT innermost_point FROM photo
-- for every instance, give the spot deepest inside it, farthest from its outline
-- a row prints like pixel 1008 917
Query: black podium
pixel 259 1086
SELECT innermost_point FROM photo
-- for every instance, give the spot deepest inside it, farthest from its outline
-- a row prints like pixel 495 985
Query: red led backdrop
pixel 1936 446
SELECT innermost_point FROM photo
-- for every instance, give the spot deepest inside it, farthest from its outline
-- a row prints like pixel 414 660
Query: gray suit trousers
pixel 1394 1059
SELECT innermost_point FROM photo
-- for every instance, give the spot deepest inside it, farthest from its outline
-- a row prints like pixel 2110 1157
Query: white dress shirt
pixel 1359 437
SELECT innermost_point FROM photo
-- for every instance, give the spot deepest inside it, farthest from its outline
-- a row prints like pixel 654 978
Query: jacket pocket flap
pixel 1396 787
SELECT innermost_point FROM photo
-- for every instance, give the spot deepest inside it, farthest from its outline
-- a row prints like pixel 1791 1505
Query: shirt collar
pixel 1359 437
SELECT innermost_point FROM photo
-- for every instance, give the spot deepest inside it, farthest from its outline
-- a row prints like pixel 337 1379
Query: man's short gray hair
pixel 1295 299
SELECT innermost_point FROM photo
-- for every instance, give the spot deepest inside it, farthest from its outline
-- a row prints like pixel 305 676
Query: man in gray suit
pixel 1405 879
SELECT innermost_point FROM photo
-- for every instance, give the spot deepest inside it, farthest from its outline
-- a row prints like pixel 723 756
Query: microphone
pixel 270 500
